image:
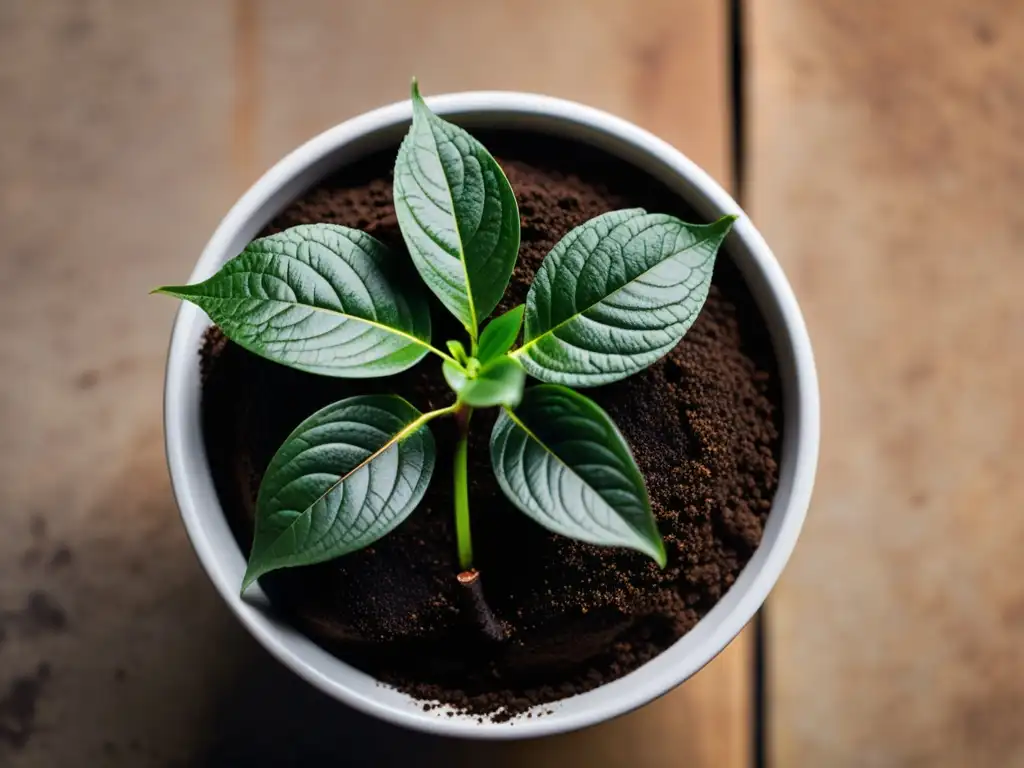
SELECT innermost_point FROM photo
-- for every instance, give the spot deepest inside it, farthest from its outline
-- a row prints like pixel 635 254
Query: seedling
pixel 611 298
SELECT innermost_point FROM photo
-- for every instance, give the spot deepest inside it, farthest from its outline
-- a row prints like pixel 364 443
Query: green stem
pixel 462 534
pixel 451 410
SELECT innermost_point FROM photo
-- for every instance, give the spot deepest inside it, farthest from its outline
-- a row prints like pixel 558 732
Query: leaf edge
pixel 420 423
pixel 657 551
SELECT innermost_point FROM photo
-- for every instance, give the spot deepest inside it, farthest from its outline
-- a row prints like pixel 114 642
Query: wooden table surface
pixel 886 167
pixel 884 161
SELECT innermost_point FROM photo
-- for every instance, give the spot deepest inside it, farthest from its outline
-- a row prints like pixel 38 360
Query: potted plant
pixel 352 365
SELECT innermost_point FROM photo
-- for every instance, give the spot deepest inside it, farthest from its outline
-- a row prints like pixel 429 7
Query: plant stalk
pixel 475 604
pixel 460 471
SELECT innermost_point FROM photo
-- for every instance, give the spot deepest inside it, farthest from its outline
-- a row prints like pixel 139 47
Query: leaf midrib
pixel 542 444
pixel 580 313
pixel 425 344
pixel 473 329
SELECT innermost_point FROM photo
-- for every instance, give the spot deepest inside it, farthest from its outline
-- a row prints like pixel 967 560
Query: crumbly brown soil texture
pixel 702 423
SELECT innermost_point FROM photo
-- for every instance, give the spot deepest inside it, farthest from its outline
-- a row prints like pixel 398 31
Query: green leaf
pixel 563 462
pixel 319 298
pixel 616 294
pixel 500 382
pixel 500 334
pixel 457 213
pixel 455 375
pixel 348 475
pixel 458 351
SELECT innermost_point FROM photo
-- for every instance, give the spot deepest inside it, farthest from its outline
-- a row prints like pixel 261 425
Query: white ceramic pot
pixel 224 561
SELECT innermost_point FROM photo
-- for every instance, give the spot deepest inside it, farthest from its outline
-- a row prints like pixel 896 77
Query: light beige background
pixel 887 170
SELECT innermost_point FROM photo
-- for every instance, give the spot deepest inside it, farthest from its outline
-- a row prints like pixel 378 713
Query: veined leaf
pixel 457 213
pixel 499 382
pixel 348 475
pixel 320 298
pixel 616 294
pixel 500 334
pixel 561 460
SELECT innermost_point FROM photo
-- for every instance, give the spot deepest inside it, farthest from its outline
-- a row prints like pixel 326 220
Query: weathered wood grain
pixel 887 171
pixel 660 63
pixel 128 129
pixel 115 163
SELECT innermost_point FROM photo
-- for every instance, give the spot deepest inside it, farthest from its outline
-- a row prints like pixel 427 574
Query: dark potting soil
pixel 703 424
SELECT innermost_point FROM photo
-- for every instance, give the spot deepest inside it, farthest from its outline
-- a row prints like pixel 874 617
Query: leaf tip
pixel 414 89
pixel 660 556
pixel 652 544
pixel 721 227
pixel 250 577
pixel 174 291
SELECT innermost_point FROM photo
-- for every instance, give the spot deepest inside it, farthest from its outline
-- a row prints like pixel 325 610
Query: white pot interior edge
pixel 208 527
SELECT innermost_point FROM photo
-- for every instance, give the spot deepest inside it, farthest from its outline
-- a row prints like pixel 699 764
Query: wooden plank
pixel 116 165
pixel 887 170
pixel 704 722
pixel 336 59
pixel 638 60
pixel 128 130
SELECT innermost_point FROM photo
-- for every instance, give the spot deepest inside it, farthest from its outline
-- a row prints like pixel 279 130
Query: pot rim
pixel 206 523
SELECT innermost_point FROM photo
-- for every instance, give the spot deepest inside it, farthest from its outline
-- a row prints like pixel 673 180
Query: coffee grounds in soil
pixel 703 424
